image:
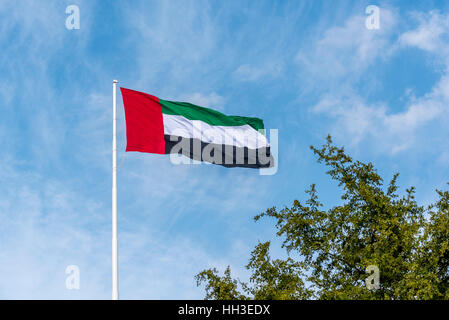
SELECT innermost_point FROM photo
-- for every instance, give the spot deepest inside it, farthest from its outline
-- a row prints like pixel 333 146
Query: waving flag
pixel 154 125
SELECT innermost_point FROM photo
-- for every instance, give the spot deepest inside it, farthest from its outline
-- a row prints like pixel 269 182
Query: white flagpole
pixel 114 195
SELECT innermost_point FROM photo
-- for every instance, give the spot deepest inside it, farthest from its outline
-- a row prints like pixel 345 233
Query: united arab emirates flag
pixel 159 126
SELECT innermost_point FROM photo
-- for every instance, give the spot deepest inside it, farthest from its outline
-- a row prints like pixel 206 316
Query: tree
pixel 408 243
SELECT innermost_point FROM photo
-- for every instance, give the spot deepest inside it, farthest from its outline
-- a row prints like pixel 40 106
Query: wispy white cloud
pixel 167 51
pixel 430 33
pixel 357 118
pixel 342 53
pixel 250 73
pixel 211 100
pixel 45 227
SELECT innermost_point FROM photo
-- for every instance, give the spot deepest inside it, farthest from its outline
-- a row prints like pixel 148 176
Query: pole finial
pixel 115 81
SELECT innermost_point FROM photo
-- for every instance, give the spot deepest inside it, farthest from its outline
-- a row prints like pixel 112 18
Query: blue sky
pixel 308 68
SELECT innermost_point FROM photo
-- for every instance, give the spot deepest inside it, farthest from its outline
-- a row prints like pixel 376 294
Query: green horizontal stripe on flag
pixel 212 117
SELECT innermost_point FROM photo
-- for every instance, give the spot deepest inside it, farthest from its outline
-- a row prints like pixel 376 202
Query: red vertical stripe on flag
pixel 144 122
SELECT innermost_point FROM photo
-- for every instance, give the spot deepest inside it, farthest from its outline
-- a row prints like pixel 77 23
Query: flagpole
pixel 114 195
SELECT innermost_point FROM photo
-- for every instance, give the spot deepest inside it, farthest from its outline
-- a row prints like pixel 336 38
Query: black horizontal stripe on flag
pixel 220 154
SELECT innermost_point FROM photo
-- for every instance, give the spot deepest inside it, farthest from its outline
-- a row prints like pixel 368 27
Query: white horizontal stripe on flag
pixel 239 136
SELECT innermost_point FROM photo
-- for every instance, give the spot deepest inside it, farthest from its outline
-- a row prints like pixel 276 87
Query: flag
pixel 154 125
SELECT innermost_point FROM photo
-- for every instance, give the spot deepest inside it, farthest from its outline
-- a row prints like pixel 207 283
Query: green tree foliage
pixel 374 225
